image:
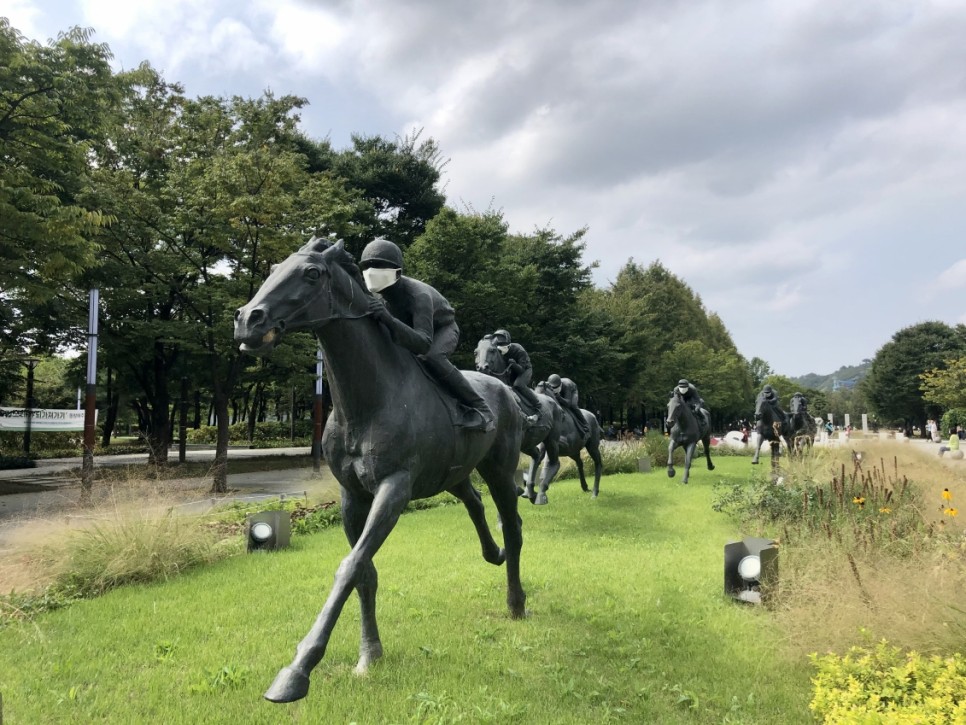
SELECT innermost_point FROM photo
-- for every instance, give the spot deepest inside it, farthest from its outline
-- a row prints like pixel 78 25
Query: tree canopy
pixel 893 385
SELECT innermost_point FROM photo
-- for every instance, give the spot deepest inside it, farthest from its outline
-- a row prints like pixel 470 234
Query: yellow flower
pixel 859 500
pixel 950 511
pixel 885 510
pixel 947 495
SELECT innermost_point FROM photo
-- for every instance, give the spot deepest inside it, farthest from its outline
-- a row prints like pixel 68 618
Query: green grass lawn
pixel 627 622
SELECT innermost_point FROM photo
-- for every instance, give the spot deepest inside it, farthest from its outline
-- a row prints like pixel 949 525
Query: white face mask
pixel 682 389
pixel 378 279
pixel 503 348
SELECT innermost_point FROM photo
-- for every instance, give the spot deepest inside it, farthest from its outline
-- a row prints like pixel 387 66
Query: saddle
pixel 460 415
pixel 525 407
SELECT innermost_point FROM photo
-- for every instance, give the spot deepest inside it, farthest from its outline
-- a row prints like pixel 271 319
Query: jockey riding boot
pixel 529 396
pixel 579 421
pixel 479 417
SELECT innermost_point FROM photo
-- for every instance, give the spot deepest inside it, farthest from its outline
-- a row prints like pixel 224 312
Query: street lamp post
pixel 31 363
pixel 317 413
pixel 90 398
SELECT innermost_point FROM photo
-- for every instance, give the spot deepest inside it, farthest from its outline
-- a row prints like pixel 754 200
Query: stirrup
pixel 474 419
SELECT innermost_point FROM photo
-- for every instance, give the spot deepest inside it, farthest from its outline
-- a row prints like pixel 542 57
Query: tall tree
pixel 759 370
pixel 720 376
pixel 399 179
pixel 54 102
pixel 893 383
pixel 945 387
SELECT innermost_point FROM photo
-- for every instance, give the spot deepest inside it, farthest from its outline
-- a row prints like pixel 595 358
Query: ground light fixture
pixel 747 565
pixel 268 530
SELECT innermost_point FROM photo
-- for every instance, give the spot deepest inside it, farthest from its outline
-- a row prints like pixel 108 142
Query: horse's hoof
pixel 521 492
pixel 670 473
pixel 289 686
pixel 593 495
pixel 754 463
pixel 541 500
pixel 710 467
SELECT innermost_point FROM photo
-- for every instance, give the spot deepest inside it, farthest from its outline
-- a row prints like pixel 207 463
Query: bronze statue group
pixel 394 435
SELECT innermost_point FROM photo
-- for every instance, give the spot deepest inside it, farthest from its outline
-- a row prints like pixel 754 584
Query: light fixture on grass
pixel 748 564
pixel 268 530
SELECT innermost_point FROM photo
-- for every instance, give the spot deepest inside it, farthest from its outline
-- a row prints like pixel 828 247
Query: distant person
pixel 953 444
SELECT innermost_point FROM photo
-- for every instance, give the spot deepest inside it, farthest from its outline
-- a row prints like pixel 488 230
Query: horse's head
pixel 798 404
pixel 318 283
pixel 488 357
pixel 675 405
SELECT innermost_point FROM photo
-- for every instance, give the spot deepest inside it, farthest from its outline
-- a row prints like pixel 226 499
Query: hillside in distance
pixel 847 376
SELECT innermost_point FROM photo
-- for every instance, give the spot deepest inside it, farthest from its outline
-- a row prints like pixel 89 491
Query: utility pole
pixel 183 422
pixel 29 404
pixel 317 412
pixel 90 409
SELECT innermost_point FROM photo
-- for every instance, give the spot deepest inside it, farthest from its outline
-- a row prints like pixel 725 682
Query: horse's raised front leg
pixel 355 571
pixel 551 468
pixel 535 457
pixel 670 458
pixel 470 497
pixel 536 454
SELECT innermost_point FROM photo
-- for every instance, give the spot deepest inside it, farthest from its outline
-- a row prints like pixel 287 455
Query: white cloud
pixel 953 277
pixel 772 153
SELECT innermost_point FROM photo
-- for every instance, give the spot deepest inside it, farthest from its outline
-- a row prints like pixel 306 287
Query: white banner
pixel 42 420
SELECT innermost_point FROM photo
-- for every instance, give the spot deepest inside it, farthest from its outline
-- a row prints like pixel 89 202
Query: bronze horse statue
pixel 545 441
pixel 686 430
pixel 391 438
pixel 572 442
pixel 771 424
pixel 545 430
pixel 801 425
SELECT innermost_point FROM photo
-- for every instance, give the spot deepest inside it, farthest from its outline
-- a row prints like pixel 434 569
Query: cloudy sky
pixel 801 165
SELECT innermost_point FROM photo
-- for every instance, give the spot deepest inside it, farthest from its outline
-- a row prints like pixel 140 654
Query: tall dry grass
pixel 858 576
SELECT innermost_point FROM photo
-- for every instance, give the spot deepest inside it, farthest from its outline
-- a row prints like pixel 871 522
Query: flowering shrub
pixel 886 686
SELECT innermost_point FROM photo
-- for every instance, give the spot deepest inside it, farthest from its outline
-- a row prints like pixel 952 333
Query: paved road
pixel 53 487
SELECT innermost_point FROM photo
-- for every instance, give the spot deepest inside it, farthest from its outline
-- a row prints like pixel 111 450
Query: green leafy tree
pixel 657 311
pixel 945 387
pixel 397 178
pixel 720 376
pixel 784 386
pixel 461 255
pixel 892 386
pixel 54 102
pixel 759 370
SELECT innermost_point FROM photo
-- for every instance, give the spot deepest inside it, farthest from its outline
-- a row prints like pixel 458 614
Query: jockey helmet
pixel 502 336
pixel 381 253
pixel 683 386
pixel 554 381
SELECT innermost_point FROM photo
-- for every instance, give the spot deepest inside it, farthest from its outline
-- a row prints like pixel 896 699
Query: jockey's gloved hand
pixel 377 308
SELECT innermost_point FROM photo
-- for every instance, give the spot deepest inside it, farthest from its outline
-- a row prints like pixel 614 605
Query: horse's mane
pixel 337 253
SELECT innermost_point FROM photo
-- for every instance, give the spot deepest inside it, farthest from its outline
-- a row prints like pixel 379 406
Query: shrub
pixel 885 686
pixel 11 462
pixel 868 509
pixel 951 418
pixel 114 553
pixel 268 431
